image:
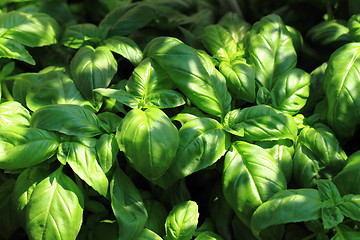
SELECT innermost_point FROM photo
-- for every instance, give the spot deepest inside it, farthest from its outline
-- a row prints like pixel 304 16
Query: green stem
pixel 6 91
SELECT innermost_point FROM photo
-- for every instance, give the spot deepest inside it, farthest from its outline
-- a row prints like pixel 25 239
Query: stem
pixel 6 91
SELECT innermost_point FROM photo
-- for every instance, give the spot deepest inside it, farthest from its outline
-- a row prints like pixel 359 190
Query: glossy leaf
pixel 260 123
pixel 68 119
pixel 127 206
pixel 354 27
pixel 25 147
pixel 109 121
pixel 126 47
pixel 30 29
pixel 147 234
pixel 81 156
pixel 285 207
pixel 157 214
pixel 125 20
pixel 79 35
pixel 208 235
pixel 149 141
pixel 344 180
pixel 202 143
pixel 55 204
pixel 120 95
pixel 219 42
pixel 270 50
pixel 240 78
pixel 182 221
pixel 341 78
pixel 106 150
pixel 192 73
pixel 344 232
pixel 350 206
pixel 290 91
pixel 328 33
pixel 14 50
pixel 236 25
pixel 92 68
pixel 13 113
pixel 250 177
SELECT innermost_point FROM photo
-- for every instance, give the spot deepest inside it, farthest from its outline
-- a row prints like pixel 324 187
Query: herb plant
pixel 179 120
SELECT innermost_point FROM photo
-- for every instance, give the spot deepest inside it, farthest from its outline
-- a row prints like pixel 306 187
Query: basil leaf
pixel 344 180
pixel 260 123
pixel 127 206
pixel 109 121
pixel 69 119
pixel 240 78
pixel 14 114
pixel 14 50
pixel 202 143
pixel 157 214
pixel 81 156
pixel 79 35
pixel 92 68
pixel 331 215
pixel 290 91
pixel 126 47
pixel 165 99
pixel 208 235
pixel 182 221
pixel 106 150
pixel 270 50
pixel 350 206
pixel 329 33
pixel 219 42
pixel 236 25
pixel 285 207
pixel 9 222
pixel 24 187
pixel 192 73
pixel 30 29
pixel 328 191
pixel 17 144
pixel 125 20
pixel 354 27
pixel 55 204
pixel 250 177
pixel 341 77
pixel 344 232
pixel 121 96
pixel 149 141
pixel 147 234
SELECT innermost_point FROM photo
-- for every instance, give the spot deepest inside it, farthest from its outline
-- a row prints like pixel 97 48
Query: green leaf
pixel 147 234
pixel 30 29
pixel 282 151
pixel 24 187
pixel 344 180
pixel 219 42
pixel 127 19
pixel 328 191
pixel 341 78
pixel 331 215
pixel 106 150
pixel 126 47
pixel 14 50
pixel 68 119
pixel 354 27
pixel 202 143
pixel 194 74
pixel 9 222
pixel 92 68
pixel 31 144
pixel 49 86
pixel 79 35
pixel 55 204
pixel 240 78
pixel 291 91
pixel 270 50
pixel 127 206
pixel 165 99
pixel 14 114
pixel 250 177
pixel 260 123
pixel 208 235
pixel 157 214
pixel 81 156
pixel 329 33
pixel 344 232
pixel 236 25
pixel 120 95
pixel 109 121
pixel 149 140
pixel 286 207
pixel 182 221
pixel 350 206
